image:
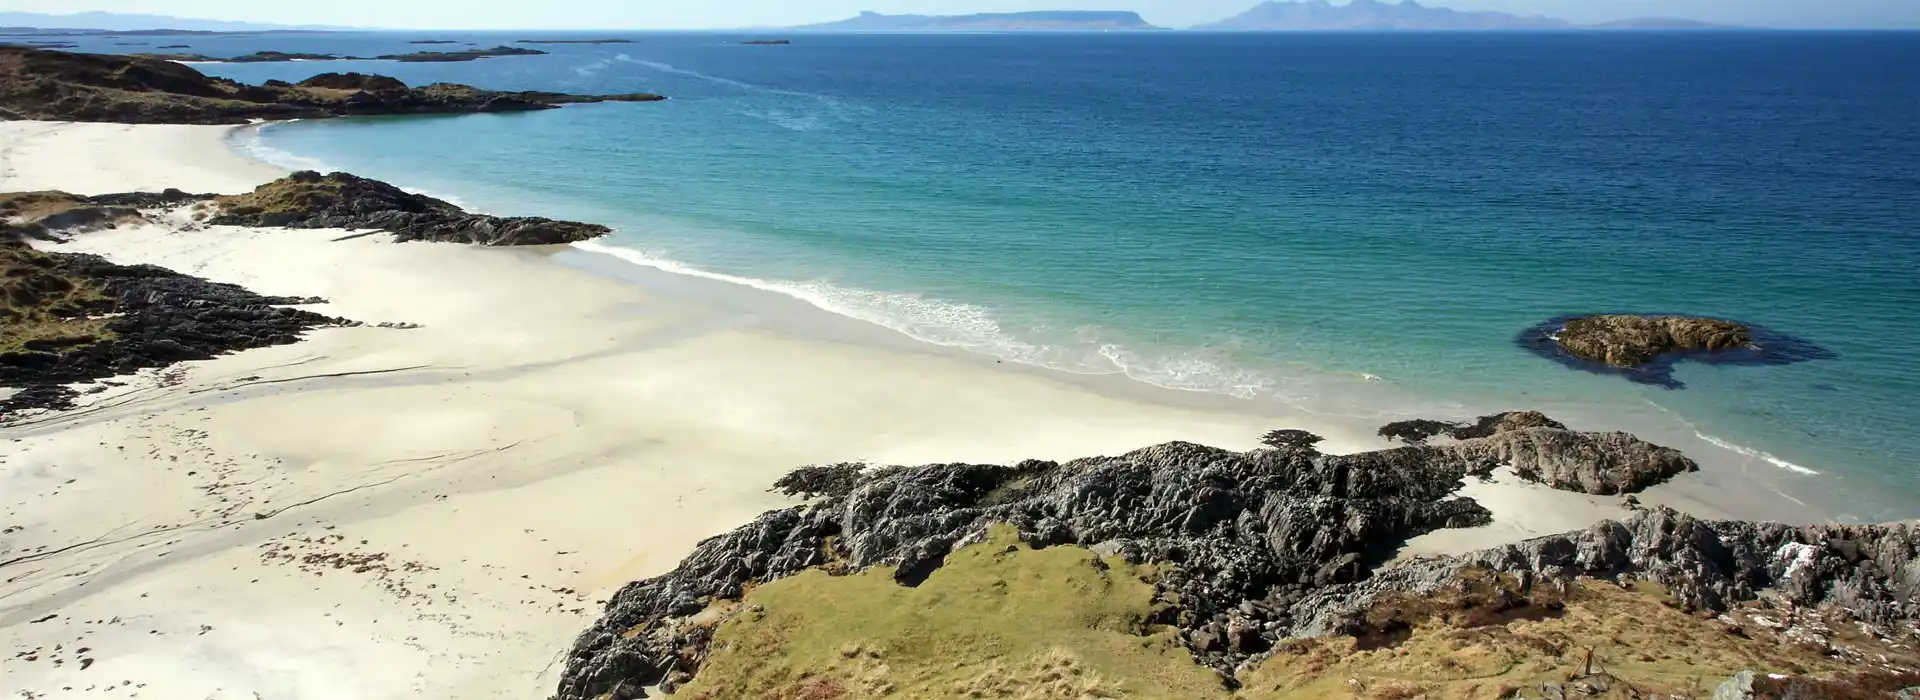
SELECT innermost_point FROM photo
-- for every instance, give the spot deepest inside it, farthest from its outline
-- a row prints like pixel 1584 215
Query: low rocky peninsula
pixel 61 86
pixel 1264 566
pixel 574 41
pixel 459 56
pixel 415 57
pixel 255 57
pixel 1644 348
pixel 73 317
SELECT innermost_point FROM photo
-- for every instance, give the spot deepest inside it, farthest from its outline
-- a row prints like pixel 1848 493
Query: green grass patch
pixel 999 620
pixel 44 304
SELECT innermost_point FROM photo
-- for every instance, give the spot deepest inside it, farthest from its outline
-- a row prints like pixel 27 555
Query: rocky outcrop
pixel 1630 341
pixel 1243 537
pixel 1872 571
pixel 574 41
pixel 353 81
pixel 1643 348
pixel 309 199
pixel 1602 464
pixel 458 56
pixel 60 86
pixel 1418 431
pixel 72 317
pixel 1544 451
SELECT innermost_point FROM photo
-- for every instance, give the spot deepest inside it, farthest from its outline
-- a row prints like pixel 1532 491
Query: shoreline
pixel 1767 486
pixel 385 513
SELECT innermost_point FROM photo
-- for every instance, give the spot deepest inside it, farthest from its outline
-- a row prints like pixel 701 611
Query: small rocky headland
pixel 68 318
pixel 1644 348
pixel 61 86
pixel 1184 571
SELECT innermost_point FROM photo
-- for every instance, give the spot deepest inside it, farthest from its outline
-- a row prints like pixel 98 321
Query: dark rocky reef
pixel 72 317
pixel 1244 537
pixel 1643 348
pixel 60 86
pixel 309 199
pixel 459 56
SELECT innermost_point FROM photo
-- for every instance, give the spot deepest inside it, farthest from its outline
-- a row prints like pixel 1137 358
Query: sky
pixel 707 14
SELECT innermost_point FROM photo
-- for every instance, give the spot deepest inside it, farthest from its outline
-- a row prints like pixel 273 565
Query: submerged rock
pixel 1643 348
pixel 308 199
pixel 1621 340
pixel 1241 537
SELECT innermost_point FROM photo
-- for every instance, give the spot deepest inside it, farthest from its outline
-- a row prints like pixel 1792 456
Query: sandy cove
pixel 377 513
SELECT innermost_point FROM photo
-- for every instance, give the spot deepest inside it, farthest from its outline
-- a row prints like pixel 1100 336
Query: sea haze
pixel 1355 224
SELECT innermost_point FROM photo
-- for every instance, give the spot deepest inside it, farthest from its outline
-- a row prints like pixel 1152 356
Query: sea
pixel 1356 225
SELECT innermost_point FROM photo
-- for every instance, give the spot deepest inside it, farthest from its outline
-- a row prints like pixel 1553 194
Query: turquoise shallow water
pixel 1357 225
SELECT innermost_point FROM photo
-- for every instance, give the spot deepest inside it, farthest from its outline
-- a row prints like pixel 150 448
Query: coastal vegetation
pixel 1271 569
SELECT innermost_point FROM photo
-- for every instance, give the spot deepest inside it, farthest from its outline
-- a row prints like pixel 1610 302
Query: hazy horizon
pixel 726 14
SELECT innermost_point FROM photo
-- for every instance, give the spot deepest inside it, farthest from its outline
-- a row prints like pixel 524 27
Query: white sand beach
pixel 435 512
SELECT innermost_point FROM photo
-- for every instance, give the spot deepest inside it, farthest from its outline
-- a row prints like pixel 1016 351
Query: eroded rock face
pixel 61 86
pixel 1247 536
pixel 308 199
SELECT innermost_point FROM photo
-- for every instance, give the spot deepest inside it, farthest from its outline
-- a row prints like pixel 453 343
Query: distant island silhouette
pixel 1059 20
pixel 1410 15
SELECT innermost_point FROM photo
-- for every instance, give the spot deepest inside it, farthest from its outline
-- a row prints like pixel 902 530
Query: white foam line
pixel 1757 454
pixel 970 327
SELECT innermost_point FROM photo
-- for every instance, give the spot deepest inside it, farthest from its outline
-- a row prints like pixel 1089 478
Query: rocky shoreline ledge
pixel 67 318
pixel 60 86
pixel 1249 556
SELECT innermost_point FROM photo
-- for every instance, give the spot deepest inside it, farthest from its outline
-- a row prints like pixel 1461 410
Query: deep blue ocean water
pixel 1355 224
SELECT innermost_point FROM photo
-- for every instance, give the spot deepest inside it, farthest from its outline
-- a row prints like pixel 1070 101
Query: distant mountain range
pixel 116 22
pixel 1062 20
pixel 1409 15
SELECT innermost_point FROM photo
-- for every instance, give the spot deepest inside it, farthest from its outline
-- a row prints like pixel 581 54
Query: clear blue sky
pixel 697 14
